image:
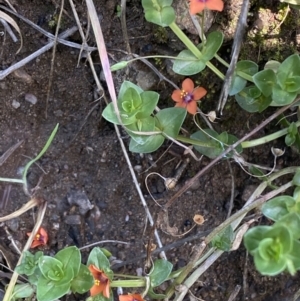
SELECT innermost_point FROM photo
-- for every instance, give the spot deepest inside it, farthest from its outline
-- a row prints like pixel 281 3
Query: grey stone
pixel 31 98
pixel 80 199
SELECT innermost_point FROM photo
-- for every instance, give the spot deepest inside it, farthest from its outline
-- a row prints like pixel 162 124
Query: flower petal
pixel 199 93
pixel 44 234
pixel 176 96
pixel 95 290
pixel 106 289
pixel 130 297
pixel 181 105
pixel 125 298
pixel 196 7
pixel 36 243
pixel 215 5
pixel 188 85
pixel 192 107
pixel 95 271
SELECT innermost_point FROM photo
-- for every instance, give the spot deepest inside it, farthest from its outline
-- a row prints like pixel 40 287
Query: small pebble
pixel 13 224
pixel 15 104
pixel 80 199
pixel 195 185
pixel 23 75
pixel 58 113
pixel 31 98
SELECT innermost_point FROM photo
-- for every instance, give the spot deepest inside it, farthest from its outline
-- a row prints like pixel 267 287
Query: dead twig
pixel 53 57
pixel 9 30
pixel 60 39
pixel 34 55
pixel 232 190
pixel 238 38
pixel 8 153
pixel 123 24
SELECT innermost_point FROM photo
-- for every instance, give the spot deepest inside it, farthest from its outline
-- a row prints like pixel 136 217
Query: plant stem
pixel 128 283
pixel 27 166
pixel 191 46
pixel 11 180
pixel 195 142
pixel 266 139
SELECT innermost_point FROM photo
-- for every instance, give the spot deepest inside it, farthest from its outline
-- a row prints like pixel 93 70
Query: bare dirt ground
pixel 85 164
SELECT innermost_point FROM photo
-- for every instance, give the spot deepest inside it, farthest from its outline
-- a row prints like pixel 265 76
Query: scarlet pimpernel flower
pixel 187 97
pixel 40 239
pixel 131 297
pixel 101 282
pixel 197 6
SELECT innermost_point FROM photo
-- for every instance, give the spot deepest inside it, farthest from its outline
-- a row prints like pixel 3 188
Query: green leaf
pixel 251 99
pixel 131 101
pixel 212 45
pixel 272 248
pixel 273 65
pixel 151 4
pixel 151 145
pixel 48 290
pixel 125 86
pixel 83 281
pixel 281 97
pixel 110 115
pixel 293 258
pixel 163 18
pixel 149 102
pixel 291 84
pixel 70 257
pixel 49 264
pixel 292 222
pixel 220 143
pixel 257 172
pixel 99 260
pixel 296 179
pixel 254 236
pixel 22 291
pixel 293 130
pixel 289 139
pixel 290 67
pixel 265 81
pixel 239 83
pixel 188 64
pixel 143 125
pixel 269 267
pixel 170 120
pixel 118 66
pixel 160 272
pixel 278 207
pixel 29 263
pixel 224 239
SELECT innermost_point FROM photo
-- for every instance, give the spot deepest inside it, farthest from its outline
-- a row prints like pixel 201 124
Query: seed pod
pixel 170 183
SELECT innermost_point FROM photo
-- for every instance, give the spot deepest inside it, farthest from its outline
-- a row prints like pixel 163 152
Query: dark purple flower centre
pixel 186 96
pixel 203 1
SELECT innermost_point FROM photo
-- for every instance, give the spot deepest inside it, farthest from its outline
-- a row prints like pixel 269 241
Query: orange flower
pixel 101 282
pixel 197 6
pixel 133 297
pixel 40 239
pixel 187 97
